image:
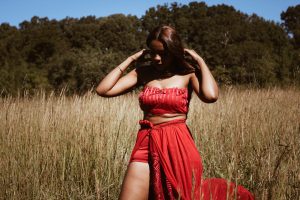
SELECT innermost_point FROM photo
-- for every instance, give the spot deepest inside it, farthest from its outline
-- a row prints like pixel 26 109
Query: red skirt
pixel 176 166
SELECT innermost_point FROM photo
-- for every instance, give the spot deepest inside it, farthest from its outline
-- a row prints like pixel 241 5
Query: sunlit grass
pixel 58 147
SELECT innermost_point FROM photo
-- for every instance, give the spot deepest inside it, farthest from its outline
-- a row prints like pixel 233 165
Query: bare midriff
pixel 158 119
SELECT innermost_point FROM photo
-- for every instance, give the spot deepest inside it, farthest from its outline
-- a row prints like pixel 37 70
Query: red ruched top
pixel 157 101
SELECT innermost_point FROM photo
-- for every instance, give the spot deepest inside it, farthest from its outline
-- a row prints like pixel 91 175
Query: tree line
pixel 76 54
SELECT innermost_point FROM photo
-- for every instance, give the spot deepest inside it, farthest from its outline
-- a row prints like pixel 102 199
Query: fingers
pixel 193 54
pixel 143 52
pixel 146 51
pixel 140 55
pixel 189 51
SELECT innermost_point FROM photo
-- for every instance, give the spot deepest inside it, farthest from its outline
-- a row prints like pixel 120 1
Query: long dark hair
pixel 173 45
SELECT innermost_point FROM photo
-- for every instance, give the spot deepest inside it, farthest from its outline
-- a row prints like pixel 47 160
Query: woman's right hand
pixel 139 55
pixel 114 83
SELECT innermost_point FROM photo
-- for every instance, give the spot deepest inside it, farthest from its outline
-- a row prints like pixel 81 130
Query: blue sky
pixel 16 11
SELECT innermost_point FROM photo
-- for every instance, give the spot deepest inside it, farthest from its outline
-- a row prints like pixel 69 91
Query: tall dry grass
pixel 58 147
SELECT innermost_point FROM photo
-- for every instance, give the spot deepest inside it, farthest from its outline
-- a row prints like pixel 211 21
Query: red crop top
pixel 167 100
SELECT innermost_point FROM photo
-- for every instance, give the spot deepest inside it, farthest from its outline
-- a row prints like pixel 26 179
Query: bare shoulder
pixel 191 75
pixel 193 79
pixel 188 77
pixel 133 72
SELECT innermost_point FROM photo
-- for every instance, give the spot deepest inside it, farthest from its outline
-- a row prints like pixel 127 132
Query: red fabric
pixel 167 100
pixel 175 165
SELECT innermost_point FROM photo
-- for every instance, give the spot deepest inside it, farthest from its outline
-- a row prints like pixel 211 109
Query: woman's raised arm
pixel 114 84
pixel 203 81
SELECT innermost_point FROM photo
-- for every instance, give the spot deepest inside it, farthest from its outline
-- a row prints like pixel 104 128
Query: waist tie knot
pixel 146 123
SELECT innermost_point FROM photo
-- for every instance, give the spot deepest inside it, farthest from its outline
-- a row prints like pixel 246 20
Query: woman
pixel 165 163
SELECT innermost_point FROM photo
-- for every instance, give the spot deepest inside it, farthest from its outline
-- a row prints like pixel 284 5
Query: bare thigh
pixel 136 182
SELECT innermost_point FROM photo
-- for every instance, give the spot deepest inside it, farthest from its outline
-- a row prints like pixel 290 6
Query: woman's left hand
pixel 193 54
pixel 203 83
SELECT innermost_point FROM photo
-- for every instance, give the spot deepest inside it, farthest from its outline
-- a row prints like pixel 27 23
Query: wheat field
pixel 78 147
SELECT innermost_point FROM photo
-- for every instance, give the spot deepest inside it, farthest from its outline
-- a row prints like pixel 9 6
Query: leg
pixel 136 182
